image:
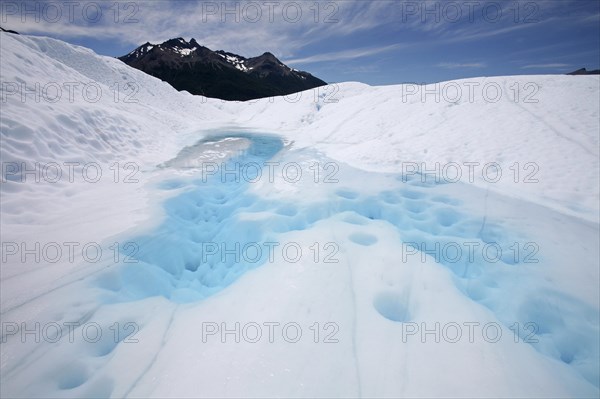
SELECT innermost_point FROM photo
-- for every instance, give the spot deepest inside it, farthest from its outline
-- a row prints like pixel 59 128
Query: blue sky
pixel 375 42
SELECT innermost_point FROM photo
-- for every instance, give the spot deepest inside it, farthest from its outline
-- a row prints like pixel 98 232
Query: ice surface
pixel 376 224
pixel 174 260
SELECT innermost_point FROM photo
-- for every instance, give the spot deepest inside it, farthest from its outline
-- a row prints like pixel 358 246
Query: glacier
pixel 299 246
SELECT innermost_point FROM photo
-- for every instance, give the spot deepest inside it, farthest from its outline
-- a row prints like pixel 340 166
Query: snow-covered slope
pixel 549 122
pixel 524 328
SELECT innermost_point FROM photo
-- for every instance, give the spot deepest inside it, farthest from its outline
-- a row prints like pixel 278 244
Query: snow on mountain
pixel 382 319
pixel 236 61
pixel 180 47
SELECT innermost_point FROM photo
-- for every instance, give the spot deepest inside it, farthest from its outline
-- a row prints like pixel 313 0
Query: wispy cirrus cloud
pixel 346 54
pixel 454 65
pixel 248 28
pixel 541 66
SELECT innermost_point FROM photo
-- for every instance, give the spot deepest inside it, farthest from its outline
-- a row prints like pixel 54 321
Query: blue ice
pixel 173 261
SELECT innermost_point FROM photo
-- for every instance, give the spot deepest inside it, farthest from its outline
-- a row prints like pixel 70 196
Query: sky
pixel 374 42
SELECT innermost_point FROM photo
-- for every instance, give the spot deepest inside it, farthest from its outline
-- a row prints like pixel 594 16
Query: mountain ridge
pixel 584 71
pixel 219 74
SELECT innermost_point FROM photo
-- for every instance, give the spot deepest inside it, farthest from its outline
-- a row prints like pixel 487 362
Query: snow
pixel 185 51
pixel 237 63
pixel 187 192
pixel 142 49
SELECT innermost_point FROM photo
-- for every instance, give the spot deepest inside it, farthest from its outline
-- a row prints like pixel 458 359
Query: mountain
pixel 8 31
pixel 219 74
pixel 584 71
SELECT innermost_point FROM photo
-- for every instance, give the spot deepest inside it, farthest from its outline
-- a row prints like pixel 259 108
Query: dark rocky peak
pixel 584 71
pixel 199 70
pixel 179 43
pixel 267 58
pixel 8 31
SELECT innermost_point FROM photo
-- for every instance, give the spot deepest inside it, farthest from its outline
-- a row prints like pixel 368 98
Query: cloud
pixel 247 28
pixel 468 34
pixel 538 66
pixel 593 18
pixel 346 54
pixel 454 65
